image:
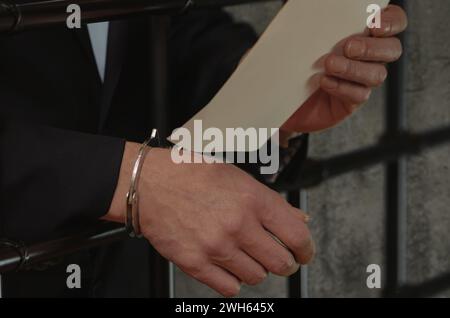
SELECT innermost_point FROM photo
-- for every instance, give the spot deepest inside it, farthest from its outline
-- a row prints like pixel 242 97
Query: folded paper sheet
pixel 274 79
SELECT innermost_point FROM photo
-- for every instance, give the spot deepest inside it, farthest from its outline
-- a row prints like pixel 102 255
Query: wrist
pixel 117 210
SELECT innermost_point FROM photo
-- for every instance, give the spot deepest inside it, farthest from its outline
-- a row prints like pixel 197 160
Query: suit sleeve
pixel 52 180
pixel 205 48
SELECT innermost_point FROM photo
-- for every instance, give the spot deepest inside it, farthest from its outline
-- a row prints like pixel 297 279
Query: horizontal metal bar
pixel 314 172
pixel 429 288
pixel 100 234
pixel 16 17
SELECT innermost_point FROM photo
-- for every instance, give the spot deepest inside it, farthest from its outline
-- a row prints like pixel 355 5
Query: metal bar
pixel 298 283
pixel 16 17
pixel 304 272
pixel 98 235
pixel 314 172
pixel 158 86
pixel 294 281
pixel 395 180
pixel 158 36
pixel 159 281
pixel 429 288
pixel 172 286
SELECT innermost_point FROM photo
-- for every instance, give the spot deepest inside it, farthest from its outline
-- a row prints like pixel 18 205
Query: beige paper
pixel 273 80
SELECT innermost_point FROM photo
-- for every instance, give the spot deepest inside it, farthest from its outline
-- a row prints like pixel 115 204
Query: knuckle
pixel 233 226
pixel 352 69
pixel 340 65
pixel 249 202
pixel 213 246
pixel 356 47
pixel 193 268
pixel 256 279
pixel 269 216
pixel 339 86
pixel 269 212
pixel 225 257
pixel 366 49
pixel 369 52
pixel 329 62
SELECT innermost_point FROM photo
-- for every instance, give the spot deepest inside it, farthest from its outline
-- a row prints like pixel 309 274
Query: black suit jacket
pixel 62 133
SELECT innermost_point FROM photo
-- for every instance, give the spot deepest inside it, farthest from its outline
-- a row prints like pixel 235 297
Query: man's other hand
pixel 351 72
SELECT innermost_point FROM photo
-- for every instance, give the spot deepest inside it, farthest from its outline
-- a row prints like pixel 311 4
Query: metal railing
pixel 392 149
pixel 15 17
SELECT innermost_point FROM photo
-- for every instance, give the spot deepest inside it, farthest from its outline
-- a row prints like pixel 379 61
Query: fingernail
pixel 355 48
pixel 295 267
pixel 307 218
pixel 291 262
pixel 368 94
pixel 383 76
pixel 329 82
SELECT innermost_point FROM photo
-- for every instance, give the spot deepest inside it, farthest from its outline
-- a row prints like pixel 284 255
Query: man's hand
pixel 214 221
pixel 351 72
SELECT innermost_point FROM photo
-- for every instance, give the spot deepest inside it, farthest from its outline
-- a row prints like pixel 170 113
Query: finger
pixel 269 253
pixel 365 73
pixel 243 267
pixel 287 224
pixel 346 91
pixel 393 21
pixel 383 50
pixel 216 278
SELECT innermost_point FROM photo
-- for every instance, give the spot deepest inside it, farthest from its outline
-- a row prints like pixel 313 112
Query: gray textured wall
pixel 348 212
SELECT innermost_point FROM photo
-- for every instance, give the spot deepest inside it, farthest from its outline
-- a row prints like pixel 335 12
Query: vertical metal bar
pixel 159 281
pixel 294 281
pixel 298 283
pixel 304 273
pixel 171 280
pixel 160 277
pixel 1 287
pixel 159 26
pixel 395 181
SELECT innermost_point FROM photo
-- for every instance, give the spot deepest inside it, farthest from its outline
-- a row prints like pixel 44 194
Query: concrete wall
pixel 348 212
